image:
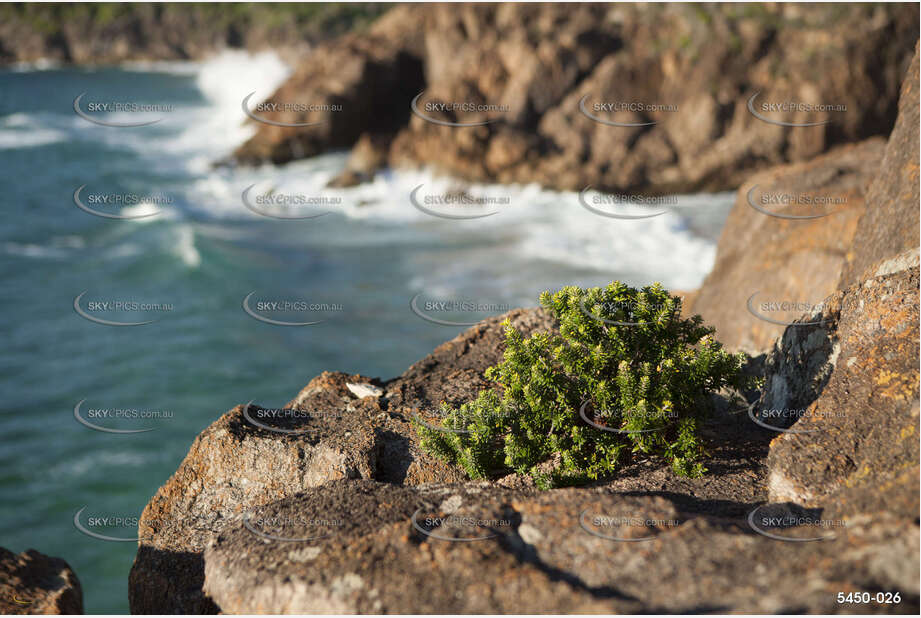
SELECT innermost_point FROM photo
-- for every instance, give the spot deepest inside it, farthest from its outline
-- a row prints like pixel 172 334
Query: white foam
pixel 30 138
pixel 195 135
pixel 42 64
pixel 215 129
pixel 184 247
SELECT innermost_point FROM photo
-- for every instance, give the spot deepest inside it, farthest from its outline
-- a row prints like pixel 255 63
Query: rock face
pixel 891 225
pixel 535 75
pixel 362 83
pixel 849 371
pixel 253 456
pixel 476 548
pixel 786 260
pixel 855 443
pixel 33 583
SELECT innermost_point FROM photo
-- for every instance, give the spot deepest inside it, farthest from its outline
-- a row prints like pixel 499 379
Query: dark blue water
pixel 200 257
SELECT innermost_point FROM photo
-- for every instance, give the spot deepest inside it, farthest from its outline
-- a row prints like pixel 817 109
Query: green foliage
pixel 624 377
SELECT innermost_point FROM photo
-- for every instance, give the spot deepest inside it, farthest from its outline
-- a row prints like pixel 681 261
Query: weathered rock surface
pixel 363 83
pixel 325 433
pixel 890 225
pixel 537 62
pixel 848 372
pixel 33 583
pixel 854 447
pixel 779 259
pixel 476 548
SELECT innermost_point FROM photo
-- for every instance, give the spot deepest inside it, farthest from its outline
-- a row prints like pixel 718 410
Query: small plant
pixel 624 376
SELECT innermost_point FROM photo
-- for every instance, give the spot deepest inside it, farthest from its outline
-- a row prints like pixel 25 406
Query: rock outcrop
pixel 848 375
pixel 890 225
pixel 33 583
pixel 253 456
pixel 765 257
pixel 534 85
pixel 476 548
pixel 869 214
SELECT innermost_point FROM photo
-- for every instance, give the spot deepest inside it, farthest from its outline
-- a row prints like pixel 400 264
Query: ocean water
pixel 203 253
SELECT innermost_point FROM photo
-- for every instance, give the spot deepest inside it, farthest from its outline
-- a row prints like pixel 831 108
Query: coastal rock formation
pixel 476 548
pixel 849 371
pixel 869 214
pixel 890 225
pixel 854 445
pixel 764 258
pixel 252 456
pixel 528 80
pixel 258 519
pixel 33 583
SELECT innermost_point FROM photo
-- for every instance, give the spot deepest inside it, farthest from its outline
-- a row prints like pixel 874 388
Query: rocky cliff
pixel 640 98
pixel 811 491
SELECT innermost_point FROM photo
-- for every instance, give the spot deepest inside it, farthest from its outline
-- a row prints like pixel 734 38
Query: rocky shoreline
pixel 353 480
pixel 651 99
pixel 337 509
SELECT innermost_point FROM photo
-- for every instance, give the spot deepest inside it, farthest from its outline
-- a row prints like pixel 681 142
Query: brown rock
pixel 854 447
pixel 362 84
pixel 890 224
pixel 236 465
pixel 33 583
pixel 368 155
pixel 781 260
pixel 538 552
pixel 692 70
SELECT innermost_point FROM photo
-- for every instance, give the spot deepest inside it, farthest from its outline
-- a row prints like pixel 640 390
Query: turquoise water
pixel 201 256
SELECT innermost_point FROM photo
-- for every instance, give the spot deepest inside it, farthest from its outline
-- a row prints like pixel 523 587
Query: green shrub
pixel 625 376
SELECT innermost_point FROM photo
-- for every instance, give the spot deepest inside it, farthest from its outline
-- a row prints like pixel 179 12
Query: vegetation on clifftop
pixel 625 375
